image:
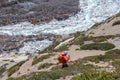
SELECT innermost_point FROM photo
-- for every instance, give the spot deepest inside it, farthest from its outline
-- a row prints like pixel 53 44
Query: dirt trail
pixel 27 67
pixel 105 29
pixel 5 76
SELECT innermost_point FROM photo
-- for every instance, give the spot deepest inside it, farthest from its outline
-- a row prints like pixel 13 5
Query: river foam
pixel 92 11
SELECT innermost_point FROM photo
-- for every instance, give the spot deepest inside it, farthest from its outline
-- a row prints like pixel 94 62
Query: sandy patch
pixel 106 29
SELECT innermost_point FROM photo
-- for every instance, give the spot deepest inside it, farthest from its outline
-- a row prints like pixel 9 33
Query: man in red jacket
pixel 63 58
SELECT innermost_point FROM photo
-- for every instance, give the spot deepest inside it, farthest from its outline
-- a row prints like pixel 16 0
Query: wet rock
pixel 36 11
pixel 14 43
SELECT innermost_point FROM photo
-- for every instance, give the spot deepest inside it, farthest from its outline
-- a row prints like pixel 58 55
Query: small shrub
pixel 77 34
pixel 118 70
pixel 2 70
pixel 75 68
pixel 116 51
pixel 62 48
pixel 93 75
pixel 109 55
pixel 118 14
pixel 57 72
pixel 45 65
pixel 10 78
pixel 95 59
pixel 103 38
pixel 113 54
pixel 99 39
pixel 77 49
pixel 15 68
pixel 96 25
pixel 116 23
pixel 18 78
pixel 39 59
pixel 98 46
pixel 116 63
pixel 80 40
pixel 50 48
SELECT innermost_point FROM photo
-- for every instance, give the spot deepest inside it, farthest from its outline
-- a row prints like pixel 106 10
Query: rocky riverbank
pixel 36 11
pixel 16 43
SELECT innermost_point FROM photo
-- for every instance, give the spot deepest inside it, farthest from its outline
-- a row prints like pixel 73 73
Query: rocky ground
pixel 75 52
pixel 14 43
pixel 28 11
pixel 36 11
pixel 106 28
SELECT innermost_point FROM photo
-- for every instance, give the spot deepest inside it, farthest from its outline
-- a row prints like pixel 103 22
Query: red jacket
pixel 64 58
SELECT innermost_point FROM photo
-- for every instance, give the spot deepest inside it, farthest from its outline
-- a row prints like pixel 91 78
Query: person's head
pixel 65 52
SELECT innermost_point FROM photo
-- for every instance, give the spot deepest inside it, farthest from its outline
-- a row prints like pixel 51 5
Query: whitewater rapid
pixel 92 11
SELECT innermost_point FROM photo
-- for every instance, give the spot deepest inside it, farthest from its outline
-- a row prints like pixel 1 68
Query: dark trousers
pixel 64 65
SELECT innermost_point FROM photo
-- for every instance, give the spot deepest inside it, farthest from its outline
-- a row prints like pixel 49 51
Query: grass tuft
pixel 94 75
pixel 116 23
pixel 45 65
pixel 39 59
pixel 15 68
pixel 98 46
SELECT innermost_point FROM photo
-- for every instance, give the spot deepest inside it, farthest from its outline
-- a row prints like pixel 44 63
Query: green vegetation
pixel 39 59
pixel 113 55
pixel 96 25
pixel 116 63
pixel 57 72
pixel 102 38
pixel 18 78
pixel 15 68
pixel 99 39
pixel 118 14
pixel 94 75
pixel 62 48
pixel 80 38
pixel 78 67
pixel 118 70
pixel 115 51
pixel 50 48
pixel 96 59
pixel 98 46
pixel 45 65
pixel 78 34
pixel 116 23
pixel 11 78
pixel 106 57
pixel 79 41
pixel 2 70
pixel 109 55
